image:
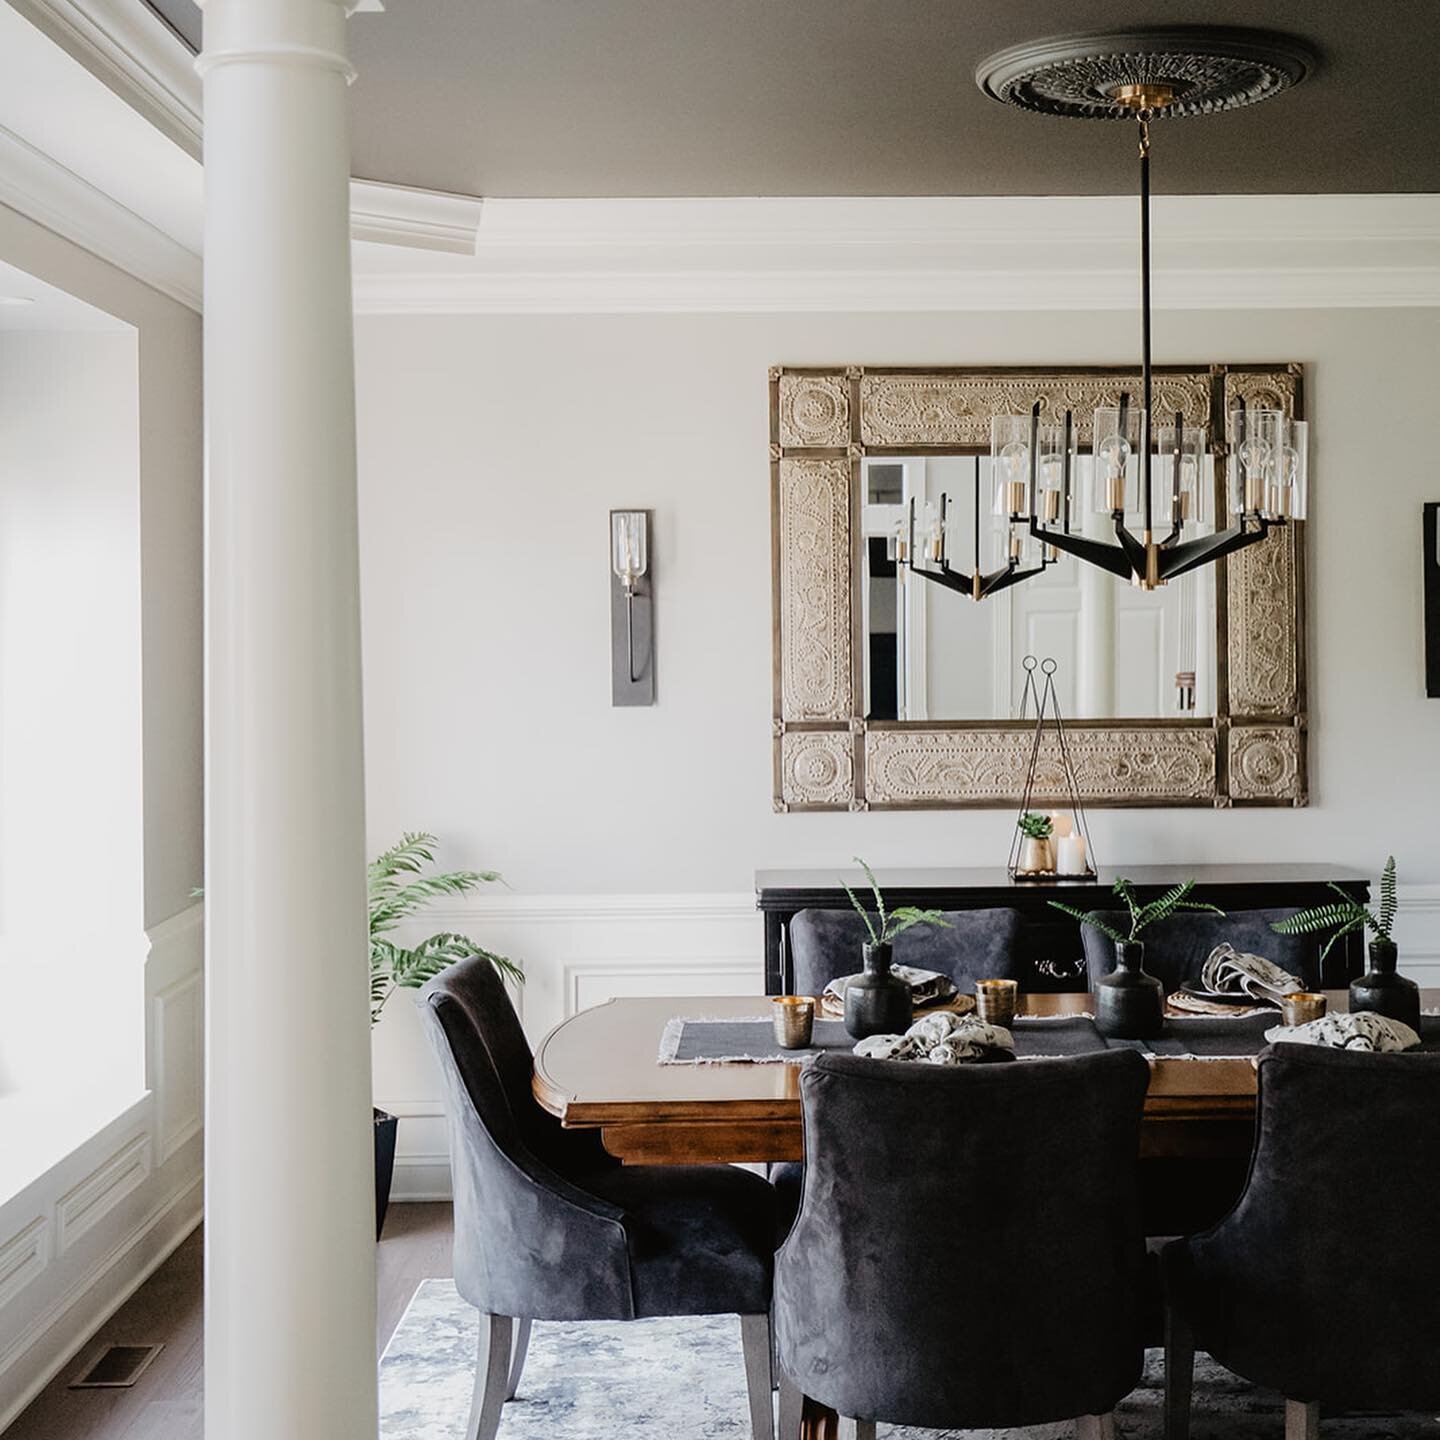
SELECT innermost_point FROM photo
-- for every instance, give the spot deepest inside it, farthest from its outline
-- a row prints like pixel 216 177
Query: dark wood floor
pixel 165 1404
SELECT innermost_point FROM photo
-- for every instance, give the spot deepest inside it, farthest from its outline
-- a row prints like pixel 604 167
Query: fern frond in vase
pixel 1175 899
pixel 1347 915
pixel 884 925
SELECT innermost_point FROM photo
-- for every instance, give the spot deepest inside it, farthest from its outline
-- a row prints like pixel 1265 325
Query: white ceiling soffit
pixel 919 254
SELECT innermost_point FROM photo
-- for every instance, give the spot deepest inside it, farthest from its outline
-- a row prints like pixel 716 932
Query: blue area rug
pixel 683 1380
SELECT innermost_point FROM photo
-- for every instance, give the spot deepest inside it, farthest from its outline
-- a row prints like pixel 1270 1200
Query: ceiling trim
pixel 920 254
pixel 419 219
pixel 40 187
pixel 131 50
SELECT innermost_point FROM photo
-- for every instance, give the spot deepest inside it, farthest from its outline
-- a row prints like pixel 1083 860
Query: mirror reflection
pixel 934 654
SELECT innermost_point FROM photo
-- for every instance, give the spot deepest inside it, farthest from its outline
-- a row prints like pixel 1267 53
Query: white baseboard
pixel 65 1329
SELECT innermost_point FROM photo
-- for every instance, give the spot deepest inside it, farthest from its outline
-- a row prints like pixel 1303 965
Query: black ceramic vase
pixel 1385 992
pixel 878 1002
pixel 1129 1003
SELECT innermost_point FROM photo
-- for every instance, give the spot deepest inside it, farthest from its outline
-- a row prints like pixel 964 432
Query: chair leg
pixel 517 1357
pixel 1096 1427
pixel 1179 1374
pixel 492 1374
pixel 1302 1420
pixel 755 1342
pixel 852 1429
pixel 792 1403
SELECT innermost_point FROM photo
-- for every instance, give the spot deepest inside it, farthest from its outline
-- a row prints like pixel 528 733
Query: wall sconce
pixel 632 617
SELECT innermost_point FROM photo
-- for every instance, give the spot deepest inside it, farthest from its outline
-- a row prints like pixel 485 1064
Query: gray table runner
pixel 1219 1037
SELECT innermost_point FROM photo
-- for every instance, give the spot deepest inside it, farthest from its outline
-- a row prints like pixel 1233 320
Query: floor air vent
pixel 118 1368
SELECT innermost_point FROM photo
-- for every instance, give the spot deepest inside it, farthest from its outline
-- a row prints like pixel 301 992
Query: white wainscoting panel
pixel 78 1240
pixel 578 951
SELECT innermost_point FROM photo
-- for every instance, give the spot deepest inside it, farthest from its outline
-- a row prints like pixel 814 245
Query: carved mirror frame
pixel 824 421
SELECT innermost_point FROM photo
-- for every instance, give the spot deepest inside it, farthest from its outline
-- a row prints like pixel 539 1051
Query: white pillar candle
pixel 1060 825
pixel 1070 855
pixel 289 1139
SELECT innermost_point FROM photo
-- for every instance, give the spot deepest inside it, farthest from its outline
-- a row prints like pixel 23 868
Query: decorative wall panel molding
pixel 22 1258
pixel 100 1192
pixel 817 767
pixel 814 588
pixel 1264 638
pixel 1266 763
pixel 912 409
pixel 1260 626
pixel 1121 766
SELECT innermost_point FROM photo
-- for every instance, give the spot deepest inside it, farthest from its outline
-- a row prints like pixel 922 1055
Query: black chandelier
pixel 1182 71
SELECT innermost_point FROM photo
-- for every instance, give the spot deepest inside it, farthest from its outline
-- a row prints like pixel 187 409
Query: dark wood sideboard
pixel 1050 941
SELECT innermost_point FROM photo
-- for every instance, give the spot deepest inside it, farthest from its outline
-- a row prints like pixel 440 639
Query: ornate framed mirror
pixel 893 694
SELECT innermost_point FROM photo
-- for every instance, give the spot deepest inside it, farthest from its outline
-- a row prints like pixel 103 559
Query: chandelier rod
pixel 1145 384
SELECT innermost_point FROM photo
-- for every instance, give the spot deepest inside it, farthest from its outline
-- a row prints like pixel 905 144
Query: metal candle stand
pixel 1047 705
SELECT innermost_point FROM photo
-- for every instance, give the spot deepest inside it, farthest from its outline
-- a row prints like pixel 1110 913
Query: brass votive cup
pixel 794 1018
pixel 995 1001
pixel 1301 1006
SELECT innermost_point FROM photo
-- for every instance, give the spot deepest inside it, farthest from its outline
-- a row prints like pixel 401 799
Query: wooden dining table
pixel 599 1070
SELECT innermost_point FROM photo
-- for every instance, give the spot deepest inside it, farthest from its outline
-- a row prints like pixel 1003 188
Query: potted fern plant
pixel 1130 1002
pixel 1382 989
pixel 399 888
pixel 878 1001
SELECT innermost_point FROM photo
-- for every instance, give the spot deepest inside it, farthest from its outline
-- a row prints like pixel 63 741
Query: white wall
pixel 491 448
pixel 121 1180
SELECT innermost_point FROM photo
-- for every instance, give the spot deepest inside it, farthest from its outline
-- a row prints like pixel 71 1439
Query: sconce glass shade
pixel 1114 474
pixel 1010 465
pixel 629 545
pixel 1179 474
pixel 1255 439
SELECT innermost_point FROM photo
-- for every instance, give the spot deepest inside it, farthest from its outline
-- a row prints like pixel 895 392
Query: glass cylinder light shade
pixel 1009 542
pixel 1010 464
pixel 1054 500
pixel 1114 474
pixel 929 534
pixel 629 545
pixel 1179 474
pixel 1289 493
pixel 1256 439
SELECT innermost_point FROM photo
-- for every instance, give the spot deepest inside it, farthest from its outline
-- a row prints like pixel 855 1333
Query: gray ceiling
pixel 856 97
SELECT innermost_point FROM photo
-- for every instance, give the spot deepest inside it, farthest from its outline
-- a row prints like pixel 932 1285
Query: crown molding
pixel 920 254
pixel 38 186
pixel 130 49
pixel 420 219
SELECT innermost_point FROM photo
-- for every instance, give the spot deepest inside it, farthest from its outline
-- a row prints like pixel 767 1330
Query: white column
pixel 290 1238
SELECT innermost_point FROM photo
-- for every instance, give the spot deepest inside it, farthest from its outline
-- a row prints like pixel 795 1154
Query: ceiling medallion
pixel 1200 70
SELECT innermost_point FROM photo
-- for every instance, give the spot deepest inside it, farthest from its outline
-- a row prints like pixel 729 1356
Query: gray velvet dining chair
pixel 978 945
pixel 968 1251
pixel 1176 949
pixel 1324 1282
pixel 550 1227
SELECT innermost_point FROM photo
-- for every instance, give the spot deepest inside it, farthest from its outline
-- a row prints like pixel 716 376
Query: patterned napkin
pixel 1231 972
pixel 942 1039
pixel 927 987
pixel 1363 1031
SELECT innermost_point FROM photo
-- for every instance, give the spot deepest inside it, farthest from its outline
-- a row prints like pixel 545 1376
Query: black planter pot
pixel 878 1003
pixel 1384 992
pixel 385 1129
pixel 1129 1003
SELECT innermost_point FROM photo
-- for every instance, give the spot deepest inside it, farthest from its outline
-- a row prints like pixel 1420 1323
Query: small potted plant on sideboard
pixel 1130 1002
pixel 399 888
pixel 1381 989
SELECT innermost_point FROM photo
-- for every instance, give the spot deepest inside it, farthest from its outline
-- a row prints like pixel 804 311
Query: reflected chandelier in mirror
pixel 893 691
